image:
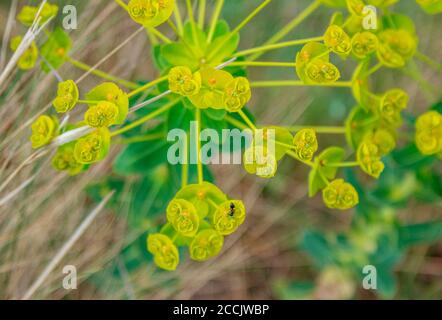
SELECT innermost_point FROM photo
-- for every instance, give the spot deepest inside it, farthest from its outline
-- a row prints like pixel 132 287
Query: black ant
pixel 232 209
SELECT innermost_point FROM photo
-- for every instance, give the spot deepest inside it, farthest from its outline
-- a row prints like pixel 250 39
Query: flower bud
pixel 183 217
pixel 64 160
pixel 429 133
pixel 67 96
pixel 368 156
pixel 93 147
pixel 306 144
pixel 44 130
pixel 228 217
pixel 150 13
pixel 164 251
pixel 27 15
pixel 320 72
pixel 392 103
pixel 258 161
pixel 29 58
pixel 364 44
pixel 383 139
pixel 340 195
pixel 104 114
pixel 207 244
pixel 236 94
pixel 396 46
pixel 183 82
pixel 337 40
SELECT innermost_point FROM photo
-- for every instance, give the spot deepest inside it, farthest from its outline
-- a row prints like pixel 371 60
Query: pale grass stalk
pixel 33 31
pixel 7 33
pixel 66 247
pixel 133 35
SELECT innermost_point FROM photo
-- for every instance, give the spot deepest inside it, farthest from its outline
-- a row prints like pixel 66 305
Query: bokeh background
pixel 275 254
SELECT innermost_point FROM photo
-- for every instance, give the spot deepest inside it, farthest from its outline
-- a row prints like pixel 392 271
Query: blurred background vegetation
pixel 291 247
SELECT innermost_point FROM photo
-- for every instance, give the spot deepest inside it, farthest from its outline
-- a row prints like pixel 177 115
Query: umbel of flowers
pixel 193 75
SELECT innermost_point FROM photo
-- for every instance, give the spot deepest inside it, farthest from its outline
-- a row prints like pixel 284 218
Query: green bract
pixel 64 160
pixel 340 195
pixel 55 50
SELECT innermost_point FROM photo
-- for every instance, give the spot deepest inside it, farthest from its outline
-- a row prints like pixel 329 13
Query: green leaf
pixel 386 283
pixel 420 233
pixel 178 54
pixel 410 157
pixel 292 290
pixel 358 123
pixel 141 158
pixel 158 58
pixel 216 114
pixel 318 248
pixel 195 38
pixel 228 43
pixel 55 50
pixel 328 156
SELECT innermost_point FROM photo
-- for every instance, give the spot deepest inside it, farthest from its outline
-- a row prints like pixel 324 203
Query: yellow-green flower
pixel 150 13
pixel 44 130
pixel 64 160
pixel 429 133
pixel 183 217
pixel 340 195
pixel 27 14
pixel 396 47
pixel 110 92
pixel 103 114
pixel 67 96
pixel 183 82
pixel 306 144
pixel 211 94
pixel 228 217
pixel 364 44
pixel 368 156
pixel 319 71
pixel 337 40
pixel 236 94
pixel 257 160
pixel 384 139
pixel 392 103
pixel 93 147
pixel 164 251
pixel 29 58
pixel 201 195
pixel 207 244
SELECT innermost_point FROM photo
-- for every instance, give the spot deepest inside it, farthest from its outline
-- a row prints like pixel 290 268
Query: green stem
pixel 288 83
pixel 159 35
pixel 141 138
pixel 343 164
pixel 88 101
pixel 146 118
pixel 247 120
pixel 101 74
pixel 185 167
pixel 263 64
pixel 202 14
pixel 122 4
pixel 276 46
pixel 290 26
pixel 239 27
pixel 146 86
pixel 235 122
pixel 218 7
pixel 430 62
pixel 178 19
pixel 198 146
pixel 374 69
pixel 319 129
